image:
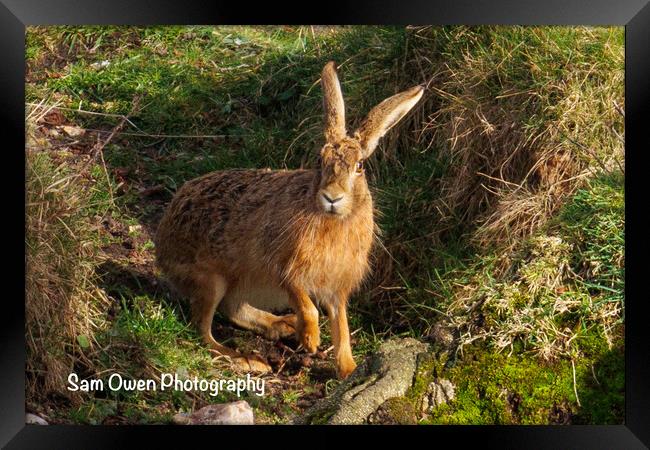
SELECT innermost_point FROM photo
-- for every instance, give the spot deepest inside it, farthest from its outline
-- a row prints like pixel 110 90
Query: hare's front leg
pixel 337 313
pixel 307 331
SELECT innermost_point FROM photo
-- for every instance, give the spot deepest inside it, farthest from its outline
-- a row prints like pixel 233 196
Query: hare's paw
pixel 251 363
pixel 344 367
pixel 308 334
pixel 284 327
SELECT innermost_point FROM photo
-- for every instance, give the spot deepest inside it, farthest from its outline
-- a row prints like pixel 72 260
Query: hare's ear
pixel 333 104
pixel 383 116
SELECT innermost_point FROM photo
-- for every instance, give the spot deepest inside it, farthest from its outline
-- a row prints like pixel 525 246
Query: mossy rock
pixel 384 376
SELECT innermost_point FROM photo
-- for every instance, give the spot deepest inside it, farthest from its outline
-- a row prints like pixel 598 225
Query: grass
pixel 555 288
pixel 500 202
pixel 558 310
pixel 64 306
pixel 145 339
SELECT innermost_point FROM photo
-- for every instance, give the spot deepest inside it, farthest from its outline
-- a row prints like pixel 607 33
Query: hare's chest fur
pixel 329 263
pixel 334 260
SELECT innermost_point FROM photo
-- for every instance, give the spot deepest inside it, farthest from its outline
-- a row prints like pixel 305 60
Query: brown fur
pixel 253 241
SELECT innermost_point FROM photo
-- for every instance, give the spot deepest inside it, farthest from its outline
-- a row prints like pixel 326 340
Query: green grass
pixel 595 220
pixel 255 90
pixel 148 337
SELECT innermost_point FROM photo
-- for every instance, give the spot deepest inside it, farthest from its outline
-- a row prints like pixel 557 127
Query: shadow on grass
pixel 602 392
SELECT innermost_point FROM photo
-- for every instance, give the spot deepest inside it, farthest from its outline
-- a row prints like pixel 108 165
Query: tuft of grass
pixel 559 285
pixel 63 305
pixel 522 114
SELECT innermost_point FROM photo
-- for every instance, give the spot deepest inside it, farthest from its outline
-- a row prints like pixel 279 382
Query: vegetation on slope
pixel 500 200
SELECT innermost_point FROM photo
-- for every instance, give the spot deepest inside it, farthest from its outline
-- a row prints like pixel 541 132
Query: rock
pixel 235 413
pixel 384 375
pixel 442 335
pixel 100 64
pixel 439 392
pixel 33 419
pixel 73 131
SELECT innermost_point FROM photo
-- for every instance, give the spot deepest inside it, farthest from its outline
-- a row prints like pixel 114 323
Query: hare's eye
pixel 359 166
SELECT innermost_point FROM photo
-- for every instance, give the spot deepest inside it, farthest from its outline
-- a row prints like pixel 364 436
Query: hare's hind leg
pixel 262 322
pixel 243 306
pixel 206 293
pixel 237 305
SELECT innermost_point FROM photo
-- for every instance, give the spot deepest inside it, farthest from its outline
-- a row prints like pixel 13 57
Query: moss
pixel 521 389
pixel 322 417
pixel 430 366
pixel 423 376
pixel 492 388
pixel 603 398
pixel 395 411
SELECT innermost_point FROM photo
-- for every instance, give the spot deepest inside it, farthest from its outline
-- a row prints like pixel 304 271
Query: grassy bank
pixel 500 201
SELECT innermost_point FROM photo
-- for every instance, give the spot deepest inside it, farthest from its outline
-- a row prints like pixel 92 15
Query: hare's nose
pixel 332 201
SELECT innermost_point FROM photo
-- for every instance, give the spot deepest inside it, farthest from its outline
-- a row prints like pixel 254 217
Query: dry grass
pixel 521 119
pixel 520 115
pixel 539 305
pixel 63 305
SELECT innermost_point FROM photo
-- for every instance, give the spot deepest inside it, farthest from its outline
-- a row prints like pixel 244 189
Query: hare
pixel 250 242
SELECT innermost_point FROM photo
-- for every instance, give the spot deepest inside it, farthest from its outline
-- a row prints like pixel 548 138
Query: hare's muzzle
pixel 333 203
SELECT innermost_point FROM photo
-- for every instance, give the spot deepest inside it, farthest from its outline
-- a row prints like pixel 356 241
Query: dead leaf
pixel 134 229
pixel 73 131
pixel 54 118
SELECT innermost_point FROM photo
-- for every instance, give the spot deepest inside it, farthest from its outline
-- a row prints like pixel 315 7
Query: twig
pixel 501 180
pixel 589 151
pixel 618 135
pixel 108 178
pixel 166 136
pixel 284 362
pixel 619 109
pixel 331 347
pixel 44 112
pixel 98 148
pixel 92 113
pixel 575 389
pixel 593 372
pixel 125 119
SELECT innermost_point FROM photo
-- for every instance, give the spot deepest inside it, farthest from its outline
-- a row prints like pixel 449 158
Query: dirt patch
pixel 560 414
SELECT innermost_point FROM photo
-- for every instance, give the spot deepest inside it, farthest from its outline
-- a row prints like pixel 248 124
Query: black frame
pixel 633 14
